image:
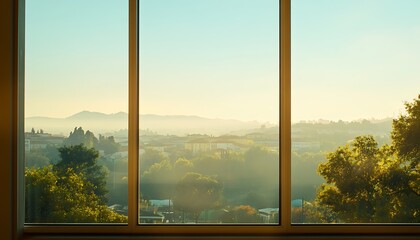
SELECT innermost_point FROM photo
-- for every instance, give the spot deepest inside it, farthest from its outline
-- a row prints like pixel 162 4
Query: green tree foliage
pixel 36 159
pixel 90 140
pixel 64 198
pixel 241 214
pixel 78 157
pixel 42 157
pixel 105 144
pixel 263 164
pixel 196 193
pixel 404 180
pixel 248 178
pixel 406 134
pixel 365 183
pixel 354 182
pixel 83 160
pixel 312 212
pixel 51 152
pixel 181 167
pixel 260 176
pixel 78 136
pixel 158 182
pixel 303 164
pixel 229 168
pixel 150 157
pixel 117 181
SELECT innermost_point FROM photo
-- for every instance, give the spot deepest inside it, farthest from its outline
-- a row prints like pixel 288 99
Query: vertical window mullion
pixel 285 108
pixel 133 115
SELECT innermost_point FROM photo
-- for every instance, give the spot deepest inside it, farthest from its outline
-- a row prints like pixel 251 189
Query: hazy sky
pixel 219 58
pixel 354 59
pixel 212 58
pixel 76 56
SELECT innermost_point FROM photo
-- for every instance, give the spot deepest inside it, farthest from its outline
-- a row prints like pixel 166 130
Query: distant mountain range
pixel 101 123
pixel 169 124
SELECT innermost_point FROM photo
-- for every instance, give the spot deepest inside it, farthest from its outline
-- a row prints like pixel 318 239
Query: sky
pixel 354 59
pixel 219 58
pixel 76 57
pixel 211 58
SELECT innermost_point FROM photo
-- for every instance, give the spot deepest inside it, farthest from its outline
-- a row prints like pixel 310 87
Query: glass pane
pixel 209 105
pixel 76 102
pixel 355 144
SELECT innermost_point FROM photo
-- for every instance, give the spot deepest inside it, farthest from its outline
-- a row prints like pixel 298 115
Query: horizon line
pixel 319 120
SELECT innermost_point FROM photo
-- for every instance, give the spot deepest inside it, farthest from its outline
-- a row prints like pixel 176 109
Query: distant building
pixel 213 143
pixel 269 215
pixel 227 146
pixel 269 140
pixel 157 212
pixel 150 217
pixel 41 140
pixel 200 145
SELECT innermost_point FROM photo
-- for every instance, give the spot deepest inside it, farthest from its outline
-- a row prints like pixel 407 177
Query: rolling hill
pixel 163 124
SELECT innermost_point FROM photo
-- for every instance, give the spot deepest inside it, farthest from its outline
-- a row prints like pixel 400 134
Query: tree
pixel 196 192
pixel 51 152
pixel 40 184
pixel 90 141
pixel 404 181
pixel 78 136
pixel 312 212
pixel 181 167
pixel 261 174
pixel 84 161
pixel 150 157
pixel 263 166
pixel 36 159
pixel 158 181
pixel 64 198
pixel 353 181
pixel 365 183
pixel 241 214
pixel 406 134
pixel 107 144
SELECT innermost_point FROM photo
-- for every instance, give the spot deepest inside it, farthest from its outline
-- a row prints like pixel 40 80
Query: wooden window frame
pixel 12 92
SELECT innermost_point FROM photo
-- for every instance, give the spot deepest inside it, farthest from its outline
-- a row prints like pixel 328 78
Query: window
pixel 209 112
pixel 76 104
pixel 13 128
pixel 349 141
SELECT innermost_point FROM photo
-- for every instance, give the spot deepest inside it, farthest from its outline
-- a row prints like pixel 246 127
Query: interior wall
pixel 6 121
